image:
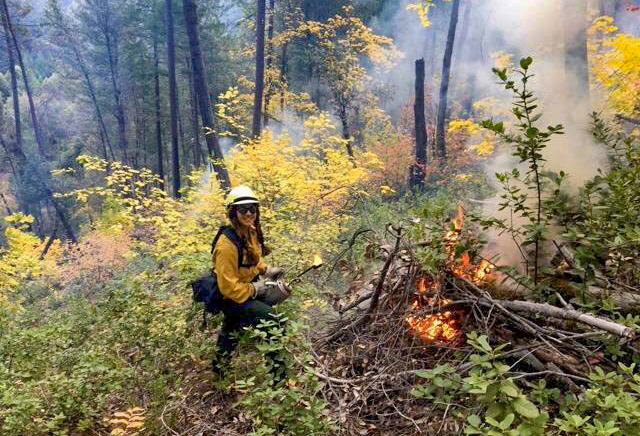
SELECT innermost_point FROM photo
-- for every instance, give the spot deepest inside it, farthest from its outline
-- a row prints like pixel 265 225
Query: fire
pixel 443 326
pixel 440 327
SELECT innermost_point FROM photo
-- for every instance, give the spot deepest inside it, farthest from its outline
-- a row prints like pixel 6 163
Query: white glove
pixel 274 272
pixel 271 293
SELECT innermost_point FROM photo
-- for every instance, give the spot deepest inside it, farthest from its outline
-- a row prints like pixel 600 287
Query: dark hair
pixel 252 258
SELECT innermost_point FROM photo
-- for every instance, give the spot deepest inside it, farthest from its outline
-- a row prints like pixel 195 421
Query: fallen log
pixel 546 309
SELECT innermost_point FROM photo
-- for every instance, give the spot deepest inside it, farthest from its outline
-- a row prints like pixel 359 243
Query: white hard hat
pixel 241 195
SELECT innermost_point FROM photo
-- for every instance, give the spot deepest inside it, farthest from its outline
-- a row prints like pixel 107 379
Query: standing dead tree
pixel 416 176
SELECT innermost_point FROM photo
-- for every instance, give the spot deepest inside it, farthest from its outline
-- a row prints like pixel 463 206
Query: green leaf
pixel 492 421
pixel 484 343
pixel 507 421
pixel 474 420
pixel 509 388
pixel 525 63
pixel 424 374
pixel 525 408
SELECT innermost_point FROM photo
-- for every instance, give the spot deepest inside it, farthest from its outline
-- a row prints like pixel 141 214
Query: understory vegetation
pixel 497 296
pixel 102 336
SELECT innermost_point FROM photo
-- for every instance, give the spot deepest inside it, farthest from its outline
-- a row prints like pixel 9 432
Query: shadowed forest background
pixel 468 170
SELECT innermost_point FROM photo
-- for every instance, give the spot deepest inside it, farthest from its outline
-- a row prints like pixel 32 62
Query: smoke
pixel 536 28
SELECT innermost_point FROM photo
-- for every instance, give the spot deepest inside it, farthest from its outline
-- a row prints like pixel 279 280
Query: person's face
pixel 246 214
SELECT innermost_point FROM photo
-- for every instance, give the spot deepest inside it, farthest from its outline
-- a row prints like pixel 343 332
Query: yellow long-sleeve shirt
pixel 234 281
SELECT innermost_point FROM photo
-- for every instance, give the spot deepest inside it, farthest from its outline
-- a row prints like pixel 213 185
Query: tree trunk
pixel 69 37
pixel 283 74
pixel 59 22
pixel 416 178
pixel 576 54
pixel 460 56
pixel 269 84
pixel 173 98
pixel 119 109
pixel 202 92
pixel 346 134
pixel 25 78
pixel 156 79
pixel 444 83
pixel 112 57
pixel 8 153
pixel 257 101
pixel 106 141
pixel 196 149
pixel 14 80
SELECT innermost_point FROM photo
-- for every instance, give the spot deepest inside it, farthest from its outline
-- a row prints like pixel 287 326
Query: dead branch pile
pixel 370 355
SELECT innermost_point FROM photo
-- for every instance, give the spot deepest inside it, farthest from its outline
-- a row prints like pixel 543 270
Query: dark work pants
pixel 236 317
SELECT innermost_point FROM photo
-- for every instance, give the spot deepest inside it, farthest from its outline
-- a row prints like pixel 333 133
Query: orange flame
pixel 444 326
pixel 434 327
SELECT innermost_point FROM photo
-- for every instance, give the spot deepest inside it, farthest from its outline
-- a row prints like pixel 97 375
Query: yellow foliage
pixel 615 64
pixel 503 60
pixel 423 11
pixel 483 142
pixel 422 7
pixel 302 187
pixel 463 125
pixel 21 260
pixel 484 148
pixel 127 423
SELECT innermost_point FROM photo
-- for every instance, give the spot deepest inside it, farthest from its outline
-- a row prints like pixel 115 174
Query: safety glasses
pixel 246 208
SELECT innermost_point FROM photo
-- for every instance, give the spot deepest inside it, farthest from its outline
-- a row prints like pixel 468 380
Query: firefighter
pixel 248 289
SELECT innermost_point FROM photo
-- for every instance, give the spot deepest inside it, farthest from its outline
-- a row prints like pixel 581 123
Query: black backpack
pixel 205 289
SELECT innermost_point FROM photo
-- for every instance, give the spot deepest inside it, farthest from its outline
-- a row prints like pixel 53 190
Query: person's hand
pixel 260 289
pixel 271 293
pixel 274 272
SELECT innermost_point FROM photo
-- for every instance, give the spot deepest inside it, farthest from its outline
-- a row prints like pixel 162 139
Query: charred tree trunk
pixel 576 53
pixel 202 92
pixel 25 78
pixel 257 101
pixel 269 84
pixel 156 79
pixel 444 83
pixel 416 177
pixel 173 98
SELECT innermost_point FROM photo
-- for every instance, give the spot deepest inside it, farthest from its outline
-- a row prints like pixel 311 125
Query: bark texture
pixel 173 98
pixel 416 177
pixel 444 83
pixel 202 92
pixel 257 101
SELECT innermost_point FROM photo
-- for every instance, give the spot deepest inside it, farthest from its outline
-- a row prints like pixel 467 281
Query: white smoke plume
pixel 522 28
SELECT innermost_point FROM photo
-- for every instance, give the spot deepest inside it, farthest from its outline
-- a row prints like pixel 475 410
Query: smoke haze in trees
pixel 521 28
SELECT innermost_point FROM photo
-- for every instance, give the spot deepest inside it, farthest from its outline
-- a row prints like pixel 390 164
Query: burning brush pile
pixel 404 319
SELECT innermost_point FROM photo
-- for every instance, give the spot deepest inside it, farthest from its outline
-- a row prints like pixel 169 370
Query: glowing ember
pixel 435 327
pixel 443 326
